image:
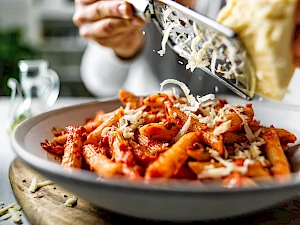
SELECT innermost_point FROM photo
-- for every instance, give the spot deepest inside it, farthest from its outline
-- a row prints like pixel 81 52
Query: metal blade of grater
pixel 205 43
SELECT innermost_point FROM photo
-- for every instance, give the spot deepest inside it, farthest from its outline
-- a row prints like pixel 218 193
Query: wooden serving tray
pixel 46 206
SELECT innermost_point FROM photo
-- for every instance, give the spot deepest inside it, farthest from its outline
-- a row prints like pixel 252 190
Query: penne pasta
pixel 99 163
pixel 60 140
pixel 198 153
pixel 156 100
pixel 179 118
pixel 127 98
pixel 257 170
pixel 73 149
pixel 172 137
pixel 276 156
pixel 95 136
pixel 158 131
pixel 152 146
pixel 170 161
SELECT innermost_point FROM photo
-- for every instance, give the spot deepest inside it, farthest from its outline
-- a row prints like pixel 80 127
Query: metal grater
pixel 218 41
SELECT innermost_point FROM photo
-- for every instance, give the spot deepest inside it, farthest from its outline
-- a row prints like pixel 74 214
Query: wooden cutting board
pixel 46 206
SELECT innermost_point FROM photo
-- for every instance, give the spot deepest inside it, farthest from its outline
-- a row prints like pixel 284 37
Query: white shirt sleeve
pixel 209 8
pixel 102 72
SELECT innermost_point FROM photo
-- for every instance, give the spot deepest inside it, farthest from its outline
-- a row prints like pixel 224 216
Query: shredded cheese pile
pixel 11 211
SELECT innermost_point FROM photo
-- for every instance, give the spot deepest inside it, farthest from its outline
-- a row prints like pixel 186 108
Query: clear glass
pixel 37 91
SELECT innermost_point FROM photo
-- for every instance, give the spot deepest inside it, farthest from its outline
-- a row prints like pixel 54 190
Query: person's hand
pixel 110 23
pixel 296 45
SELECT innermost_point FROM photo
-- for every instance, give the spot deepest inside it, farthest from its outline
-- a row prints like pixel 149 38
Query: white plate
pixel 160 200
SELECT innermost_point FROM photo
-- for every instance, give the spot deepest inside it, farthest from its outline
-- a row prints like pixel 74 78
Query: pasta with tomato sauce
pixel 172 137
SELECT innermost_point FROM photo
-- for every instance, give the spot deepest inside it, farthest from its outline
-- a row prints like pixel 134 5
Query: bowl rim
pixel 89 177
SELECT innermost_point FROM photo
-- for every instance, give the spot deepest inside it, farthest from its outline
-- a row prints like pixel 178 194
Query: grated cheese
pixel 105 131
pixel 11 211
pixel 35 185
pixel 216 89
pixel 193 103
pixel 16 216
pixel 129 122
pixel 44 183
pixel 184 129
pixel 166 32
pixel 213 62
pixel 251 151
pixel 71 201
pixel 238 110
pixel 5 217
pixel 17 207
pixel 223 171
pixel 201 47
pixel 222 128
pixel 2 211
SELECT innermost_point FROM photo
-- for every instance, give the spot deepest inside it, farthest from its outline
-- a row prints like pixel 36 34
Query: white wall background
pixel 293 94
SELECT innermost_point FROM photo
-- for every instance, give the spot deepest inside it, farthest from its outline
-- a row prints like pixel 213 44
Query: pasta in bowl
pixel 167 136
pixel 168 154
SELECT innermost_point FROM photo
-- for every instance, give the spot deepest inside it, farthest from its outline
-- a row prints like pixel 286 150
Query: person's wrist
pixel 131 50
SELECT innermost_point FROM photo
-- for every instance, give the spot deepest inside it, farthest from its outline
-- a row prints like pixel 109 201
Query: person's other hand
pixel 110 23
pixel 296 45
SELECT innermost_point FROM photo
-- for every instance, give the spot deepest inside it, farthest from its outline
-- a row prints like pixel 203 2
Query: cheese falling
pixel 266 28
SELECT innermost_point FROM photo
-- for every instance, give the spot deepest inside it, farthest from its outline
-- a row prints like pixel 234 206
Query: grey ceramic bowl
pixel 159 200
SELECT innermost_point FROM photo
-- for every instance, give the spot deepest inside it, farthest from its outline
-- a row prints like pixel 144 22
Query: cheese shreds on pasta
pixel 222 128
pixel 184 129
pixel 193 103
pixel 213 139
pixel 130 121
pixel 228 168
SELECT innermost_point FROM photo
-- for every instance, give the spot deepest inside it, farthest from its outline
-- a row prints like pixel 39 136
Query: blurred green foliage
pixel 12 50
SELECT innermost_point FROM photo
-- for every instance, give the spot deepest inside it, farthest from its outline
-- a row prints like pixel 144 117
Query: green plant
pixel 12 50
